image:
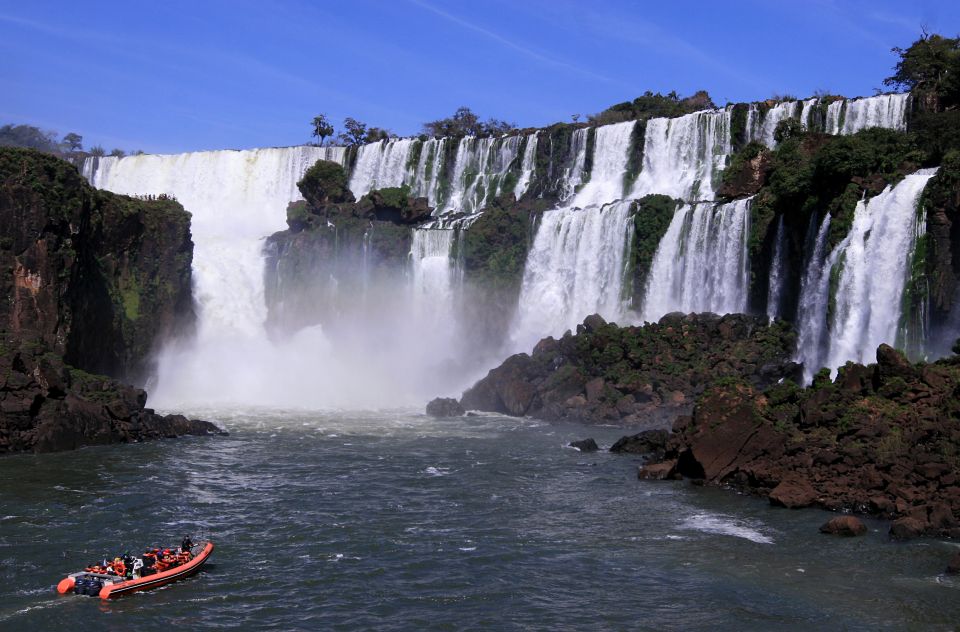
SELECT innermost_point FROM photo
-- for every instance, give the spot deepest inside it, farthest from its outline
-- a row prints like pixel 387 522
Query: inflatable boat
pixel 108 585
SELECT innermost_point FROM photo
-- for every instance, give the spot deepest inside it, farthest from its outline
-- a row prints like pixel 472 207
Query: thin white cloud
pixel 528 52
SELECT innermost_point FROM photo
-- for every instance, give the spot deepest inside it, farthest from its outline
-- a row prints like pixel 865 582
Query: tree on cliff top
pixel 930 67
pixel 73 141
pixel 654 105
pixel 321 127
pixel 325 182
pixel 355 132
pixel 465 122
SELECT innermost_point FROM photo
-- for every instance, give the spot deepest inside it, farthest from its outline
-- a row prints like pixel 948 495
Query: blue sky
pixel 180 76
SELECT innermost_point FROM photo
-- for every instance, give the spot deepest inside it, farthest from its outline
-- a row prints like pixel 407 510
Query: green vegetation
pixel 325 182
pixel 930 68
pixel 465 123
pixel 650 105
pixel 321 128
pixel 495 247
pixel 650 221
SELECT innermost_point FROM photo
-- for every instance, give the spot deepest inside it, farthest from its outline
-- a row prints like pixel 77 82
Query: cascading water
pixel 236 199
pixel 875 262
pixel 885 110
pixel 480 168
pixel 812 308
pixel 777 272
pixel 527 166
pixel 572 176
pixel 434 283
pixel 577 261
pixel 701 262
pixel 833 117
pixel 762 128
pixel 806 114
pixel 682 156
pixel 380 165
pixel 575 268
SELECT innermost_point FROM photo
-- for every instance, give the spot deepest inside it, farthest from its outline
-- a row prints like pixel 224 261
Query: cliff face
pixel 95 277
pixel 92 281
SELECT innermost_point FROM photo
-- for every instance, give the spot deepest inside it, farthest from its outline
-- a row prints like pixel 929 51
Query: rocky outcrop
pixel 93 280
pixel 585 445
pixel 445 407
pixel 95 277
pixel 844 525
pixel 879 439
pixel 633 375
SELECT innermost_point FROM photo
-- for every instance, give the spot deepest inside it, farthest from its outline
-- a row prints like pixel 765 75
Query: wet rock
pixel 632 375
pixel 906 528
pixel 657 471
pixel 585 445
pixel 953 567
pixel 844 525
pixel 647 442
pixel 445 407
pixel 794 492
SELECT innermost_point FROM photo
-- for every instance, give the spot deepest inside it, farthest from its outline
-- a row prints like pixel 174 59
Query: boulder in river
pixel 445 407
pixel 585 445
pixel 844 525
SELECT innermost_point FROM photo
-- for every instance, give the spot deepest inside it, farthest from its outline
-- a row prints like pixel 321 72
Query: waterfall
pixel 575 268
pixel 527 166
pixel 426 177
pixel 701 263
pixel 812 307
pixel 434 282
pixel 236 199
pixel 778 272
pixel 380 165
pixel 682 156
pixel 876 257
pixel 762 130
pixel 833 116
pixel 806 114
pixel 610 156
pixel 480 169
pixel 573 175
pixel 576 263
pixel 885 110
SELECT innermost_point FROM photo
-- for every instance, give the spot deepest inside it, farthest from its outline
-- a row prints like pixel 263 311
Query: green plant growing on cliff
pixel 325 182
pixel 651 218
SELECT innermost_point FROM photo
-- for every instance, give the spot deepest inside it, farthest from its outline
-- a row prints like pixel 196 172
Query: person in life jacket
pixel 187 544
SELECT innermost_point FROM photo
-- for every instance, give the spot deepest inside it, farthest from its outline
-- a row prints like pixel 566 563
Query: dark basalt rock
pixel 585 445
pixel 875 440
pixel 953 567
pixel 445 407
pixel 653 442
pixel 845 526
pixel 96 279
pixel 634 375
pixel 906 528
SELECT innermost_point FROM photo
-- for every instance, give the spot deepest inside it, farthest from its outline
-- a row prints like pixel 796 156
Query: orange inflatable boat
pixel 108 585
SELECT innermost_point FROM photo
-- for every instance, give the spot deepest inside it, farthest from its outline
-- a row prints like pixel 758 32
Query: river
pixel 395 521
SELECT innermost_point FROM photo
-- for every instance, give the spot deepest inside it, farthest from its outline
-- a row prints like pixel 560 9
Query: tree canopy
pixel 465 122
pixel 931 68
pixel 321 127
